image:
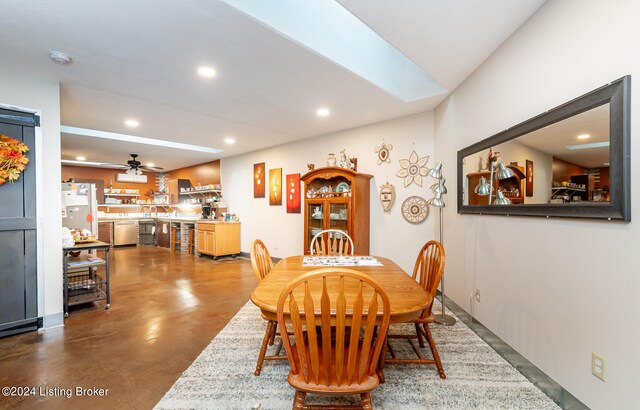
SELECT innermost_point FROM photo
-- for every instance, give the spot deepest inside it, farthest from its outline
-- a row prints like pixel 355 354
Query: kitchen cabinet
pixel 337 198
pixel 164 232
pixel 174 187
pixel 218 239
pixel 105 232
pixel 147 232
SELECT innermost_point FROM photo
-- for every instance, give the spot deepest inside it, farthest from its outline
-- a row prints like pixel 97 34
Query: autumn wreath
pixel 13 159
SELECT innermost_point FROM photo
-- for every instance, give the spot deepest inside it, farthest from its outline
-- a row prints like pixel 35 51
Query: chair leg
pixel 434 351
pixel 365 398
pixel 298 401
pixel 274 329
pixel 263 349
pixel 420 338
pixel 380 369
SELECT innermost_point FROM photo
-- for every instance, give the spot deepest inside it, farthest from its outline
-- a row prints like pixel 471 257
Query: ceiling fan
pixel 135 167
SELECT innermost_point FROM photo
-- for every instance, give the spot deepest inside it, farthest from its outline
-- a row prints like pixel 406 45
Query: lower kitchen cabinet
pixel 164 232
pixel 105 232
pixel 218 239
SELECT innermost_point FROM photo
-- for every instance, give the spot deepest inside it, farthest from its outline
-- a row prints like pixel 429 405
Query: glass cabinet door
pixel 315 220
pixel 339 216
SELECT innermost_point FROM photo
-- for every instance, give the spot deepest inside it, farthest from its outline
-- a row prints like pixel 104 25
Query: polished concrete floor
pixel 165 308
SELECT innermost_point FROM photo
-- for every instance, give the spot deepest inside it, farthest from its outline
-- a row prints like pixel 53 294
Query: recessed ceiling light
pixel 151 164
pixel 206 71
pixel 60 58
pixel 81 158
pixel 229 141
pixel 132 123
pixel 584 136
pixel 323 112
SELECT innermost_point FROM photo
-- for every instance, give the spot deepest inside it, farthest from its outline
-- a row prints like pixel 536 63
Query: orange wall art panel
pixel 292 191
pixel 275 186
pixel 258 180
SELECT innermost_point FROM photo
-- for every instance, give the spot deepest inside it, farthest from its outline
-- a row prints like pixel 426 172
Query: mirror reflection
pixel 566 162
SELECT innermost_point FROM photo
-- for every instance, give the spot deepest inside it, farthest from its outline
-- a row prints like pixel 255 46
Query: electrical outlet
pixel 597 366
pixel 477 295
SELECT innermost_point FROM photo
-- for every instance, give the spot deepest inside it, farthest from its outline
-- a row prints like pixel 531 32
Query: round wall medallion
pixel 415 209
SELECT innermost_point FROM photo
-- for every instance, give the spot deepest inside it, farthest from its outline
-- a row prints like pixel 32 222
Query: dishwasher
pixel 125 233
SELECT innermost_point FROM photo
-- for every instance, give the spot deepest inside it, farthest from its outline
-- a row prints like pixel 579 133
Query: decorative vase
pixel 331 160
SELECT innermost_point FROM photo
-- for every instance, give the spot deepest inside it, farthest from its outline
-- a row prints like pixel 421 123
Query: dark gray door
pixel 18 277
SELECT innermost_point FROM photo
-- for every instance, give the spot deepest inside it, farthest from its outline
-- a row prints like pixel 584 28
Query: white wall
pixel 20 86
pixel 391 235
pixel 554 289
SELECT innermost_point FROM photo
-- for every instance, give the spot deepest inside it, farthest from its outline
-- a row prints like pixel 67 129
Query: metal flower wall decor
pixel 383 153
pixel 413 169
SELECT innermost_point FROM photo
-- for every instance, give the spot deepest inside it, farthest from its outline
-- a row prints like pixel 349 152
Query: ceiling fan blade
pixel 108 164
pixel 147 168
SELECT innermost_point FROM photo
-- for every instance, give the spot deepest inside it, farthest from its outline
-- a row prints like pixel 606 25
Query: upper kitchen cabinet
pixel 337 198
pixel 175 186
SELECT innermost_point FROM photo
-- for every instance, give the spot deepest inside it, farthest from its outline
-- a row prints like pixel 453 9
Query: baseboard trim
pixel 541 380
pixel 54 320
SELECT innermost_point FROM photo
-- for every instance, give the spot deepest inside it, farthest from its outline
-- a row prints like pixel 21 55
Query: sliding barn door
pixel 18 280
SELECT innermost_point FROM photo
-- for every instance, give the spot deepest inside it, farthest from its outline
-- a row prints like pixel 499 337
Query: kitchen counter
pixel 223 237
pixel 147 218
pixel 209 221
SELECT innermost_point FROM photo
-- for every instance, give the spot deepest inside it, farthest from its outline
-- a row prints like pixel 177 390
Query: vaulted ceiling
pixel 138 59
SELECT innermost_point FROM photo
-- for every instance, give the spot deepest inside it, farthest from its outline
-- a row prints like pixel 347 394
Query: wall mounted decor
pixel 293 193
pixel 383 153
pixel 415 209
pixel 275 186
pixel 258 180
pixel 13 159
pixel 387 197
pixel 413 169
pixel 529 184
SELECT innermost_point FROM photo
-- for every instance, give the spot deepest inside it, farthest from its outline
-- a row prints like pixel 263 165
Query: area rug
pixel 477 377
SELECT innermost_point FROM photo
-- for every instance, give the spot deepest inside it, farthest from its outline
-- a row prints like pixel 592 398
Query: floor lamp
pixel 439 189
pixel 499 172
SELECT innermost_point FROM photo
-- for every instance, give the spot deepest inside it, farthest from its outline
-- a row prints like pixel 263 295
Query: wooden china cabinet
pixel 337 198
pixel 512 188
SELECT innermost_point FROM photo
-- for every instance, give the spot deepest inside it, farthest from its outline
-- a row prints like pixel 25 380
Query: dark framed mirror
pixel 572 161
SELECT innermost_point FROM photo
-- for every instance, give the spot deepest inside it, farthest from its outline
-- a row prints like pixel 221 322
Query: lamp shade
pixel 439 187
pixel 436 172
pixel 501 199
pixel 436 201
pixel 483 187
pixel 503 172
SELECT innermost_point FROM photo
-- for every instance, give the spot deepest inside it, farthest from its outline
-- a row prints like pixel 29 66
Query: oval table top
pixel 406 297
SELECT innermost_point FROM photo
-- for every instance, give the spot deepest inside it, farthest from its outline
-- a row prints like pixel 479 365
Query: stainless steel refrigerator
pixel 79 206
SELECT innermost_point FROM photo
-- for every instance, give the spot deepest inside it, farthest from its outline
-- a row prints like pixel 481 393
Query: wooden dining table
pixel 407 298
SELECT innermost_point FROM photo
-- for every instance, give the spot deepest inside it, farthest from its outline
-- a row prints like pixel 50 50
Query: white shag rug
pixel 477 377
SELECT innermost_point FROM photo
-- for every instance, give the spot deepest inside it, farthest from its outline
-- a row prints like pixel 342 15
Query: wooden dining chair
pixel 339 337
pixel 427 272
pixel 332 242
pixel 262 264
